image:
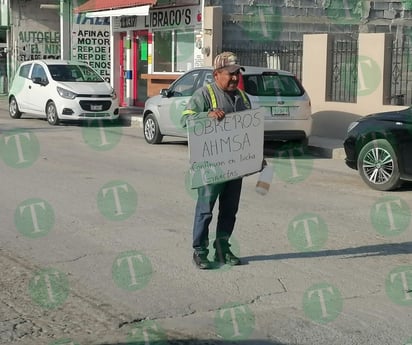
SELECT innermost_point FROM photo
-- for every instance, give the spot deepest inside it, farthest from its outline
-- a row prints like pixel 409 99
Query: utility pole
pixel 65 28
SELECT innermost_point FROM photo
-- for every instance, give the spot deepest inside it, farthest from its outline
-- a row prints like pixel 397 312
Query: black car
pixel 379 146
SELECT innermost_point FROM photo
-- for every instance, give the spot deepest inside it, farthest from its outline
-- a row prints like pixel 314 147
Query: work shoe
pixel 201 261
pixel 227 257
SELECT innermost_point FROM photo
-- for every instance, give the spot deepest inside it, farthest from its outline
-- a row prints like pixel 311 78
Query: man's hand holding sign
pixel 226 143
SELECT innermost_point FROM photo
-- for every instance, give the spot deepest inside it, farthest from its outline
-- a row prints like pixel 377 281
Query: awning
pixel 132 11
pixel 108 6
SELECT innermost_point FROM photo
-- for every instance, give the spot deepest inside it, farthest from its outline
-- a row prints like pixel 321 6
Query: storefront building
pixel 152 44
pixel 140 46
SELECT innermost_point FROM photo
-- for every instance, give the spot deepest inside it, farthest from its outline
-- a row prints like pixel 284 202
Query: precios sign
pixel 161 19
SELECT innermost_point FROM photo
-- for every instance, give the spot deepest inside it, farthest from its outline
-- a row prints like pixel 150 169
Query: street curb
pixel 134 121
pixel 327 147
pixel 325 152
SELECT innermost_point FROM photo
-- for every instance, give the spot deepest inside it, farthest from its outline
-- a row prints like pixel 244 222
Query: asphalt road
pixel 95 248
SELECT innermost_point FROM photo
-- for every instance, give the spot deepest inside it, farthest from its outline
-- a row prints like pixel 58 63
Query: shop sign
pixel 91 43
pixel 167 18
pixel 37 44
pixel 128 21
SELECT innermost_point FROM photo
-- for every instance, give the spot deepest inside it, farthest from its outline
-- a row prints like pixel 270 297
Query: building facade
pixel 156 41
pixel 140 46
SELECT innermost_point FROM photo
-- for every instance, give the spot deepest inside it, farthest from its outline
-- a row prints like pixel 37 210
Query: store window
pixel 173 50
pixel 185 42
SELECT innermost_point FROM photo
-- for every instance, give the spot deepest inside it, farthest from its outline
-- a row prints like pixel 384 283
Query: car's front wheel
pixel 378 165
pixel 51 114
pixel 151 130
pixel 14 110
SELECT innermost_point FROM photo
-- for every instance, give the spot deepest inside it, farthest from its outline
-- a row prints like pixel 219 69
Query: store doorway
pixel 133 63
pixel 140 50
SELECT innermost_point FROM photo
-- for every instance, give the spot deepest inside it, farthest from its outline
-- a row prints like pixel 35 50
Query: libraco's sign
pixel 225 150
pixel 166 18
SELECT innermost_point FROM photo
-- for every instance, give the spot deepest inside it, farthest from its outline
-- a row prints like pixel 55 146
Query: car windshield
pixel 272 84
pixel 74 73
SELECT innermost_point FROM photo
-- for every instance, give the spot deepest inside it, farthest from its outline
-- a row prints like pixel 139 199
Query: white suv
pixel 61 90
pixel 289 109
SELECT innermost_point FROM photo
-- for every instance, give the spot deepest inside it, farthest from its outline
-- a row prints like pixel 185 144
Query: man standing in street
pixel 215 100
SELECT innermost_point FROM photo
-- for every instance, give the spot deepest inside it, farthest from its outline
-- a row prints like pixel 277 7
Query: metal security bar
pixel 401 76
pixel 344 80
pixel 285 55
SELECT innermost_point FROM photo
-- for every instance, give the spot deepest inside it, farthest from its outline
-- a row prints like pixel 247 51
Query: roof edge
pixel 94 5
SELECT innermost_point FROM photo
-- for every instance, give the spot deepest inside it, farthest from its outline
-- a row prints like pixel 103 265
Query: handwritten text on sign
pixel 227 149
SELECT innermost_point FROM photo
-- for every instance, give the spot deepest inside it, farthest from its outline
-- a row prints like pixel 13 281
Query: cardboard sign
pixel 225 150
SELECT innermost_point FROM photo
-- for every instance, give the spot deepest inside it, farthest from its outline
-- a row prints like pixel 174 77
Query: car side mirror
pixel 39 81
pixel 165 93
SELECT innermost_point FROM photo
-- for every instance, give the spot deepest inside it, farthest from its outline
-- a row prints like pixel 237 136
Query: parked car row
pixel 378 146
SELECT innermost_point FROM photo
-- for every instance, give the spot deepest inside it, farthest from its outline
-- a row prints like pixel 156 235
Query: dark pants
pixel 229 196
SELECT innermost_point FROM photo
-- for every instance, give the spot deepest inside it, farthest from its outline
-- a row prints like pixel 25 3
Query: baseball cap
pixel 228 61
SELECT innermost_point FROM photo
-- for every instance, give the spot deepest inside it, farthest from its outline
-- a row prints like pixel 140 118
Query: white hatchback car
pixel 289 115
pixel 61 90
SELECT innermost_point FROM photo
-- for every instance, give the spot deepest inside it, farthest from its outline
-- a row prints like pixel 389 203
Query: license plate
pixel 276 111
pixel 98 115
pixel 96 107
